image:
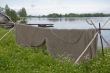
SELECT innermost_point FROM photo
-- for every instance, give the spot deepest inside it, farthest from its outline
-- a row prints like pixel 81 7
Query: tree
pixel 11 13
pixel 22 12
pixel 7 10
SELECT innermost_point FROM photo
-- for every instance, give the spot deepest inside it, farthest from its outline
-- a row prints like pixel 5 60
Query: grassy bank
pixel 18 59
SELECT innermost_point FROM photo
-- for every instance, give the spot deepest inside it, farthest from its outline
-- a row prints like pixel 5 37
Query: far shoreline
pixel 56 15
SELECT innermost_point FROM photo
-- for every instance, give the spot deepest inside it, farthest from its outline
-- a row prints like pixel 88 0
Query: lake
pixel 75 23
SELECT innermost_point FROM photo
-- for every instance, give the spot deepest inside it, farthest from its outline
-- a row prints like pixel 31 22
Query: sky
pixel 44 7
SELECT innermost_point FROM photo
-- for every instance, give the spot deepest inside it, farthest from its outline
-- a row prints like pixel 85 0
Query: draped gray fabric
pixel 71 42
pixel 59 42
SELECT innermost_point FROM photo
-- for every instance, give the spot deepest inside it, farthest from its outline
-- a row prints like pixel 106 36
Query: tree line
pixel 22 13
pixel 77 15
pixel 14 15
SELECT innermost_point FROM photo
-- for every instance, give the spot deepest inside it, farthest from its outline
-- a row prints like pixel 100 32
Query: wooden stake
pixel 6 33
pixel 101 40
pixel 87 47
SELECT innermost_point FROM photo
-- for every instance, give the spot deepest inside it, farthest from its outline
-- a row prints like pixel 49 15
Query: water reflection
pixel 69 19
pixel 55 19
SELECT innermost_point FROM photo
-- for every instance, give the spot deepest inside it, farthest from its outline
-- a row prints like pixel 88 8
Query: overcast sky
pixel 39 7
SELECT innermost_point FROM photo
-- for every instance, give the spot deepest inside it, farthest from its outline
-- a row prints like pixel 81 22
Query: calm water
pixel 75 23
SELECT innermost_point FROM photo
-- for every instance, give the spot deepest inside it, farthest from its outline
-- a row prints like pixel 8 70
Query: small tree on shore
pixel 22 12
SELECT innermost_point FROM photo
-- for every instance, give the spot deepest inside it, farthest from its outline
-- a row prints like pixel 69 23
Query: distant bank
pixel 55 15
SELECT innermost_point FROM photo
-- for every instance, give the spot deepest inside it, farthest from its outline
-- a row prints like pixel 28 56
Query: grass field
pixel 19 59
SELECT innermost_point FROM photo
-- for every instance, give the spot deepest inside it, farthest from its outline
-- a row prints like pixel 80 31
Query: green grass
pixel 19 59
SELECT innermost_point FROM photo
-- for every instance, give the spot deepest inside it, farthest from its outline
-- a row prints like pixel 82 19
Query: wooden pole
pixel 101 40
pixel 6 33
pixel 86 47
